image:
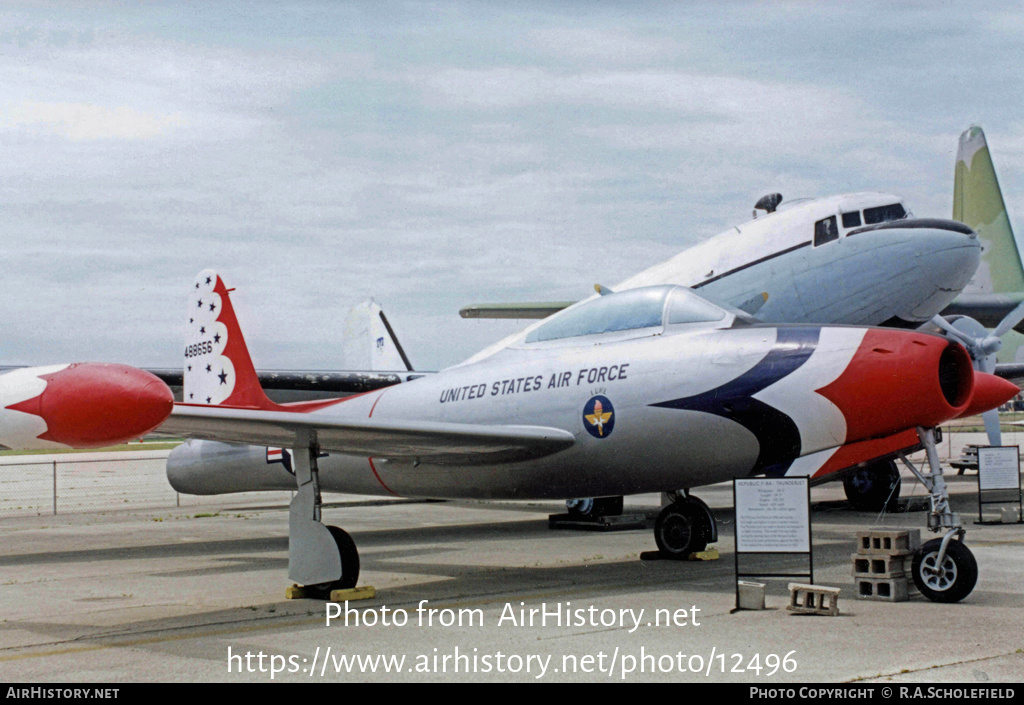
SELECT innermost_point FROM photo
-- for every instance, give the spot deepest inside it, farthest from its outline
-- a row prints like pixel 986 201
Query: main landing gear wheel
pixel 349 555
pixel 681 530
pixel 594 507
pixel 874 487
pixel 949 581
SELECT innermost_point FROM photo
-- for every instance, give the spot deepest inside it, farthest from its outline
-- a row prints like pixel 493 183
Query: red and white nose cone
pixel 91 405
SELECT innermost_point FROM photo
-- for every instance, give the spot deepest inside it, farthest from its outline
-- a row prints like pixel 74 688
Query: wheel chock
pixel 365 592
pixel 298 592
pixel 710 554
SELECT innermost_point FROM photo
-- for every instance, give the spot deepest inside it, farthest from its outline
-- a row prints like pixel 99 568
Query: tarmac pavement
pixel 198 594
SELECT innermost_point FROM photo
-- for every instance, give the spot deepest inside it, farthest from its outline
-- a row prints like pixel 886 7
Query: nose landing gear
pixel 944 569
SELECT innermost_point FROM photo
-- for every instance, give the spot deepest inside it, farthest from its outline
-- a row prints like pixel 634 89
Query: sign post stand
pixel 999 479
pixel 773 517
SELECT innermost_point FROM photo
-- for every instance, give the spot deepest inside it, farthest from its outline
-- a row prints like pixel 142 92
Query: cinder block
pixel 879 566
pixel 892 590
pixel 813 599
pixel 1009 515
pixel 751 595
pixel 888 542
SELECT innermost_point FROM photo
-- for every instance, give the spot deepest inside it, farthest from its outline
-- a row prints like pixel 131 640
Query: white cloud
pixel 80 121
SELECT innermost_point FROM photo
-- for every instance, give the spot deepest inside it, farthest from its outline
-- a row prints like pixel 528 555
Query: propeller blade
pixel 1010 321
pixel 967 340
pixel 991 419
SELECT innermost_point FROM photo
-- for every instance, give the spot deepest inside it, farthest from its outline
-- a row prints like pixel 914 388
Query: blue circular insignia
pixel 599 417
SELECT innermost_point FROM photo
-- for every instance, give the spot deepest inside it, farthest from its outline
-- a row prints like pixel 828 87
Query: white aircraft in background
pixel 861 259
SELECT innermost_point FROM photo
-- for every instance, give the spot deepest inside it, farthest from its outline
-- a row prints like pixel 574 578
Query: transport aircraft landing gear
pixel 944 568
pixel 686 525
pixel 874 487
pixel 594 507
pixel 320 558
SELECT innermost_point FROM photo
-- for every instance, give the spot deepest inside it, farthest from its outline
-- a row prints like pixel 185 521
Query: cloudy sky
pixel 433 155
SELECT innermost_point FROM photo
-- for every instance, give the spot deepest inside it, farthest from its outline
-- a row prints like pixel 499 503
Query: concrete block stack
pixel 882 563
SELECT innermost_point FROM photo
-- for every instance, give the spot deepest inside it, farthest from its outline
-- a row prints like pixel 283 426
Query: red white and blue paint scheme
pixel 652 389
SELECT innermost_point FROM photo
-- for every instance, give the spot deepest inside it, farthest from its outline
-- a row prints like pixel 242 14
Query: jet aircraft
pixel 651 389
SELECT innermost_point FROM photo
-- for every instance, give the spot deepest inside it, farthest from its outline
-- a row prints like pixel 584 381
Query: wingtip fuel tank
pixel 80 405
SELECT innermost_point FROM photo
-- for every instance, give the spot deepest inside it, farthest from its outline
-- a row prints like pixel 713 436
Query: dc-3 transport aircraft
pixel 652 389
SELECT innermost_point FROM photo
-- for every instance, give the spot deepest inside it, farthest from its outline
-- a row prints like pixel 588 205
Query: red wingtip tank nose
pixel 990 392
pixel 92 405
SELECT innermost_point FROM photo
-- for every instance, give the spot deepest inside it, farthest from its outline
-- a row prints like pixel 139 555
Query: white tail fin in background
pixel 218 369
pixel 369 341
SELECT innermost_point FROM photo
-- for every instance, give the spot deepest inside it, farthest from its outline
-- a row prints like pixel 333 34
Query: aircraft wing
pixel 988 309
pixel 1013 371
pixel 541 309
pixel 412 441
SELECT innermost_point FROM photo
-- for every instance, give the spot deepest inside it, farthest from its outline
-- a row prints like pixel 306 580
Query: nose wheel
pixel 945 578
pixel 944 569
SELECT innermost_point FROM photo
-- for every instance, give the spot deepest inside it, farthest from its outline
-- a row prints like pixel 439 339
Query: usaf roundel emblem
pixel 599 417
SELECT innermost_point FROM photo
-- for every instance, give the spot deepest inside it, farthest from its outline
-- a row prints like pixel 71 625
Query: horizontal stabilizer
pixel 428 442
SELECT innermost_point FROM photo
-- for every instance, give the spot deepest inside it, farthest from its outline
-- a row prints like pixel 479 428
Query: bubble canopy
pixel 634 309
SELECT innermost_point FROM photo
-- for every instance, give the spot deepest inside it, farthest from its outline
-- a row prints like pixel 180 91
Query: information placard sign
pixel 772 515
pixel 998 468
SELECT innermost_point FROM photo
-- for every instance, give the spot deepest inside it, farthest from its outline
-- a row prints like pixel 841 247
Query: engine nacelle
pixel 898 380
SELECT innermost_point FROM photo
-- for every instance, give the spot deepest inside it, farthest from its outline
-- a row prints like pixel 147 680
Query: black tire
pixel 680 530
pixel 349 555
pixel 956 579
pixel 873 488
pixel 593 508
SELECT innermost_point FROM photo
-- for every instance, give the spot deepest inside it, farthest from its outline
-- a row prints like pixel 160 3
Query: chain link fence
pixel 34 485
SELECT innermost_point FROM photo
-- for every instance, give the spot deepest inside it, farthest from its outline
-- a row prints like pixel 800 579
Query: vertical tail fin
pixel 978 203
pixel 370 342
pixel 218 368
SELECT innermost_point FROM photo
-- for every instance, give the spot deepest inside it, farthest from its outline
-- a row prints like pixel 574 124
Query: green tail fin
pixel 978 202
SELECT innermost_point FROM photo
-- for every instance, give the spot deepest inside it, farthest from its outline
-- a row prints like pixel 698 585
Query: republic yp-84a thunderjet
pixel 647 390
